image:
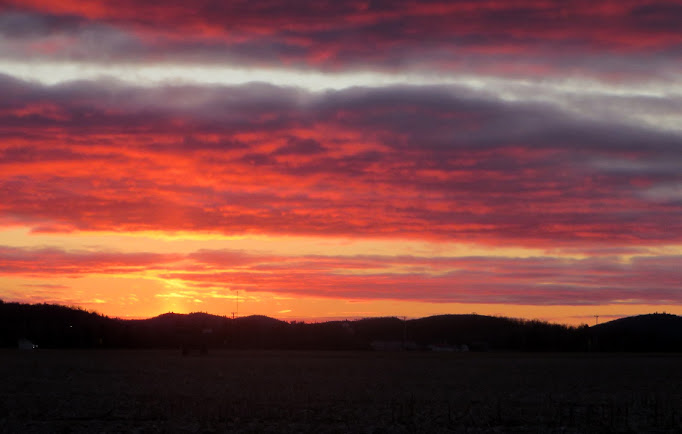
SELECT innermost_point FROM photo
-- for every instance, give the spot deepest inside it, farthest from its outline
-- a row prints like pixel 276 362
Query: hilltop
pixel 651 332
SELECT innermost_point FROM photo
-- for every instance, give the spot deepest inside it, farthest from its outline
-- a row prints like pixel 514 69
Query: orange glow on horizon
pixel 188 272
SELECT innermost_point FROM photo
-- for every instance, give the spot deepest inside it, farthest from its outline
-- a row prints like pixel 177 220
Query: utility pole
pixel 235 313
pixel 596 319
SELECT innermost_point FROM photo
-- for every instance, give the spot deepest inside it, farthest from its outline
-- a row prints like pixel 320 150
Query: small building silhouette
pixel 25 344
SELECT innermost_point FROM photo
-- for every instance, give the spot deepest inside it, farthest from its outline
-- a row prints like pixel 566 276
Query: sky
pixel 318 159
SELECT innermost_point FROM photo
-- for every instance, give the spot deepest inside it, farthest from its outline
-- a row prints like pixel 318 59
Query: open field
pixel 247 391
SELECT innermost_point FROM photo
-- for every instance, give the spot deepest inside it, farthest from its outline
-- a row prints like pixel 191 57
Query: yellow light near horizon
pixel 129 297
pixel 150 292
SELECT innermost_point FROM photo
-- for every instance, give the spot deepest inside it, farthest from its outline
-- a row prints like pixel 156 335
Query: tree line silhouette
pixel 55 326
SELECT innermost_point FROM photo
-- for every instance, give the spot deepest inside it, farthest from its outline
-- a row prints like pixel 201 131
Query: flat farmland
pixel 372 392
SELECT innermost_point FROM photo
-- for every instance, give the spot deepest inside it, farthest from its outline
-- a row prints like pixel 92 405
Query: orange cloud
pixel 477 280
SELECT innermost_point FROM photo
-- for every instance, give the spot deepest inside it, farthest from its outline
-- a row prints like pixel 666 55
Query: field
pixel 247 391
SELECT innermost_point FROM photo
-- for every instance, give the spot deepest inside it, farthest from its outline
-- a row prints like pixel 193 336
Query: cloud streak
pixel 526 37
pixel 57 262
pixel 513 281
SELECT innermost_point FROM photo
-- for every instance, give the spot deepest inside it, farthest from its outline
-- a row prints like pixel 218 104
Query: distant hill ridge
pixel 650 332
pixel 55 326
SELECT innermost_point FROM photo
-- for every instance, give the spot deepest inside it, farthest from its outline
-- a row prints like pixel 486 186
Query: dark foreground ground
pixel 244 391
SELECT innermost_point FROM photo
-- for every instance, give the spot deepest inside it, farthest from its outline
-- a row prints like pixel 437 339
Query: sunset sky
pixel 342 159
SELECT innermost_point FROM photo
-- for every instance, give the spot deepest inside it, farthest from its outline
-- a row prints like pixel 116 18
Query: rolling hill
pixel 53 326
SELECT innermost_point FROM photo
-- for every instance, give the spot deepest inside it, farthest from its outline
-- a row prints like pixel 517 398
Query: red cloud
pixel 56 262
pixel 423 162
pixel 538 281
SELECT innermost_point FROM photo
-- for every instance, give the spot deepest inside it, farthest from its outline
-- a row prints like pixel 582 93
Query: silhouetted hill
pixel 387 328
pixel 652 332
pixel 259 321
pixel 481 332
pixel 462 329
pixel 52 326
pixel 195 320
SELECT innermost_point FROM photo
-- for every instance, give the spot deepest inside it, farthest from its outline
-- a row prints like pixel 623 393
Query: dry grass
pixel 161 391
